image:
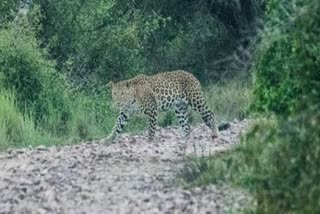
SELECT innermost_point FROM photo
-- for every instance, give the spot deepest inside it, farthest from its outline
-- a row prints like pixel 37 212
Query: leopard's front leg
pixel 151 112
pixel 122 120
pixel 152 119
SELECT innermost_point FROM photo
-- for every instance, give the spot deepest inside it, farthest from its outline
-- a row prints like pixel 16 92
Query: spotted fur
pixel 151 94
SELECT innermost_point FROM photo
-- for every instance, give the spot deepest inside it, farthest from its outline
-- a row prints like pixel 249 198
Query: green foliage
pixel 288 61
pixel 56 56
pixel 25 69
pixel 101 38
pixel 17 129
pixel 167 119
pixel 288 84
pixel 278 161
pixel 290 180
pixel 42 99
pixel 89 119
pixel 8 8
pixel 194 47
pixel 56 60
pixel 98 41
pixel 235 165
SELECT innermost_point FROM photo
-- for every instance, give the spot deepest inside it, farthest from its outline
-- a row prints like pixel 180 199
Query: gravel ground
pixel 130 176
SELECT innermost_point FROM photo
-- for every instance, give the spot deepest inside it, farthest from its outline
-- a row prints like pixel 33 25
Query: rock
pixel 20 151
pixel 224 126
pixel 41 148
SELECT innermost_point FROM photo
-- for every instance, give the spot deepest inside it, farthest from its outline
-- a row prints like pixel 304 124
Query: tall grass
pixel 228 100
pixel 85 122
pixel 17 129
pixel 91 118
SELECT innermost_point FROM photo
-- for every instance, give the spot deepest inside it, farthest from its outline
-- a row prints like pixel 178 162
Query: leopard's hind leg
pixel 198 103
pixel 181 110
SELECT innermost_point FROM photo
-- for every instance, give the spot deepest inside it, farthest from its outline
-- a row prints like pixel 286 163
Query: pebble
pixel 42 148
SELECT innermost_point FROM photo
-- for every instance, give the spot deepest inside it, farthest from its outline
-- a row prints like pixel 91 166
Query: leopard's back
pixel 171 88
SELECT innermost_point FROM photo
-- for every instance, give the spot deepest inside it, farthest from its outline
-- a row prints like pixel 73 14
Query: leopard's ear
pixel 110 84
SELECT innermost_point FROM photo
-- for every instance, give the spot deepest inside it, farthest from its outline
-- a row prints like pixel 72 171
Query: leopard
pixel 151 94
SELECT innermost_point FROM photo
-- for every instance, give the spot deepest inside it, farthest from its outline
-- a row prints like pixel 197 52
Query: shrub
pixel 17 129
pixel 286 177
pixel 288 62
pixel 279 163
pixel 25 69
pixel 8 9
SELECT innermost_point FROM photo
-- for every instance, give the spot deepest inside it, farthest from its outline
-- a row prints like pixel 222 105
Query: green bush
pixel 8 8
pixel 98 41
pixel 288 84
pixel 235 165
pixel 91 117
pixel 17 129
pixel 279 161
pixel 288 62
pixel 25 69
pixel 44 94
pixel 286 178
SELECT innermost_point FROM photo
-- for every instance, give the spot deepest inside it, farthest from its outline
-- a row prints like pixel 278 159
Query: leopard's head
pixel 122 93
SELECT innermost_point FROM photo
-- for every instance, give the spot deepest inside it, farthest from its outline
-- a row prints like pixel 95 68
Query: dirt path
pixel 130 176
